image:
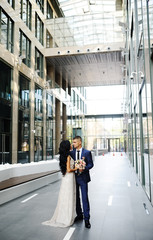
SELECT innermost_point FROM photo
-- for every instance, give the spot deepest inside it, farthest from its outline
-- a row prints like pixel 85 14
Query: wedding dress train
pixel 65 211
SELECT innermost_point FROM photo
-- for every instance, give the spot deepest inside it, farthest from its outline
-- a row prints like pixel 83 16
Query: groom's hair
pixel 78 137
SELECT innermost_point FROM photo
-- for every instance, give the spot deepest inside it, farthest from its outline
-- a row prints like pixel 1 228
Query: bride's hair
pixel 64 151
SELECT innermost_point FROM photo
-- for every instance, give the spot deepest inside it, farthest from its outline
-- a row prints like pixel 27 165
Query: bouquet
pixel 81 164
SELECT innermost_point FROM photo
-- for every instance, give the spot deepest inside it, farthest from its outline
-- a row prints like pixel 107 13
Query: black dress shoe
pixel 78 218
pixel 87 224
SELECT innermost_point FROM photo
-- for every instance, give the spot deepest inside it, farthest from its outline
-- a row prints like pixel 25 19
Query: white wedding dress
pixel 65 211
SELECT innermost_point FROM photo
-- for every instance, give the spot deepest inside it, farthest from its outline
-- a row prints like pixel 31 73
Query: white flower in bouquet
pixel 81 164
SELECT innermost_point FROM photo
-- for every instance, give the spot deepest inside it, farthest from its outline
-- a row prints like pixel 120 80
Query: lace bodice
pixel 71 163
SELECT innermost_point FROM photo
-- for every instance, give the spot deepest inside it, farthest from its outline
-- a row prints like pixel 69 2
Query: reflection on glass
pixel 23 123
pixel 145 148
pixel 6 31
pixel 49 126
pixel 5 113
pixel 38 124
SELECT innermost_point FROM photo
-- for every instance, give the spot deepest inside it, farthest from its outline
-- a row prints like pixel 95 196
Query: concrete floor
pixel 117 203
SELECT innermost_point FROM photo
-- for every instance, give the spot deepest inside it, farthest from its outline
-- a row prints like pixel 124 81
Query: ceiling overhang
pixel 92 65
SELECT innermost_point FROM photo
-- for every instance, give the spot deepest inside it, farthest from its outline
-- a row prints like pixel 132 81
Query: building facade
pixel 138 56
pixel 35 98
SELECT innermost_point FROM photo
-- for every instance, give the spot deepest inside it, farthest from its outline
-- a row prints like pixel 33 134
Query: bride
pixel 65 211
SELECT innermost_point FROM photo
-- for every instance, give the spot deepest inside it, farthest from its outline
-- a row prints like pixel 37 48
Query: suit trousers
pixel 85 201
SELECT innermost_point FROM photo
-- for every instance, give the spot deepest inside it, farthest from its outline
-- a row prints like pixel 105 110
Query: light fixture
pixel 132 75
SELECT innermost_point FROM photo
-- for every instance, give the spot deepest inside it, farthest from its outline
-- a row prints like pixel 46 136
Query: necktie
pixel 78 155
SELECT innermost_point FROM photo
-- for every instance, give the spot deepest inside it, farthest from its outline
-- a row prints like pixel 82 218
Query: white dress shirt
pixel 76 156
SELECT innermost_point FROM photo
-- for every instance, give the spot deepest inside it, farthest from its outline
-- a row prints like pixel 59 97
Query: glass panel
pixel 145 148
pixel 25 12
pixel 4 24
pixel 39 62
pixel 25 49
pixel 49 11
pixel 11 2
pixel 39 29
pixel 6 31
pixel 24 121
pixel 38 124
pixel 5 113
pixel 86 29
pixel 40 3
pixel 49 126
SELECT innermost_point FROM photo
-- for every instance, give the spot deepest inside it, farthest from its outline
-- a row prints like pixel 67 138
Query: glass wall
pixel 141 88
pixel 38 124
pixel 49 126
pixel 24 121
pixel 5 113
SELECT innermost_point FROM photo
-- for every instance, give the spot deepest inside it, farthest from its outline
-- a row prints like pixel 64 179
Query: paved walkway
pixel 120 209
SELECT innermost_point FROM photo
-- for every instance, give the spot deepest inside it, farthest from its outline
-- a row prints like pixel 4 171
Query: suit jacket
pixel 85 176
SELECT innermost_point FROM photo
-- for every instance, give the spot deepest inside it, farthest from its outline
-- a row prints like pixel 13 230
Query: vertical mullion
pixel 8 32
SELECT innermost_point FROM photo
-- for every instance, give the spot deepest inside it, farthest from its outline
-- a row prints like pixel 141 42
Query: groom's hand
pixel 80 170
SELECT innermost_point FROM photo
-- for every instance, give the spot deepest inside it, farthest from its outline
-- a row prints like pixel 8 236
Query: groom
pixel 82 180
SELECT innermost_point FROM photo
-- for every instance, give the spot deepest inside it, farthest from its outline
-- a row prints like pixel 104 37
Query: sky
pixel 105 99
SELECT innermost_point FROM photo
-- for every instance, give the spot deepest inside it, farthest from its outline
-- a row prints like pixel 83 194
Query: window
pixel 49 11
pixel 5 113
pixel 38 124
pixel 11 2
pixel 40 3
pixel 6 30
pixel 74 103
pixel 25 12
pixel 49 126
pixel 39 29
pixel 39 62
pixel 25 49
pixel 23 120
pixel 49 40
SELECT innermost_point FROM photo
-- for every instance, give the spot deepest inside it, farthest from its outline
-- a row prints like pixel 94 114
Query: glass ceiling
pixel 79 7
pixel 86 22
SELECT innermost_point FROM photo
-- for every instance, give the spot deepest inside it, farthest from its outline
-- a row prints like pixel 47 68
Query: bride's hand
pixel 76 168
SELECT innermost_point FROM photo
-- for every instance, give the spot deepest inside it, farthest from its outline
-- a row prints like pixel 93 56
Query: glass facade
pixel 24 120
pixel 139 91
pixel 5 113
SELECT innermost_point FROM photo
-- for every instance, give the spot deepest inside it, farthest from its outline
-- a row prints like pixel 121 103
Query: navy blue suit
pixel 82 182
